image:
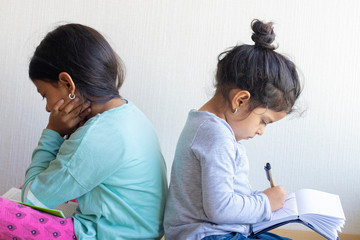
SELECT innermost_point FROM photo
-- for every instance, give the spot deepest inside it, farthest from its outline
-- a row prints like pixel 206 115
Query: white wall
pixel 170 50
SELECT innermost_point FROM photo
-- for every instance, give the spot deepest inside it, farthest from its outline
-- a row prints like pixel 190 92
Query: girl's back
pixel 123 185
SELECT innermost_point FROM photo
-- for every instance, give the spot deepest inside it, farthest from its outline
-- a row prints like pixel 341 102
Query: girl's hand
pixel 66 118
pixel 276 197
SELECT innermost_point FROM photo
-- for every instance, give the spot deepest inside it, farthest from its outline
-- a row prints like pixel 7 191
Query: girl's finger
pixel 78 119
pixel 73 104
pixel 75 112
pixel 84 113
pixel 58 104
pixel 82 108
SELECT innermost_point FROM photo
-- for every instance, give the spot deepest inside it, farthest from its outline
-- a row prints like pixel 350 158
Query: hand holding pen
pixel 276 194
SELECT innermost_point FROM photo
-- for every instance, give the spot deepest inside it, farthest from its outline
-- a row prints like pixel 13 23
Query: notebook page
pixel 325 230
pixel 317 202
pixel 289 208
pixel 288 212
pixel 13 194
pixel 67 208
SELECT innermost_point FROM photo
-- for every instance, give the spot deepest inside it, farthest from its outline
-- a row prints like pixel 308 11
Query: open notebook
pixel 320 211
pixel 64 210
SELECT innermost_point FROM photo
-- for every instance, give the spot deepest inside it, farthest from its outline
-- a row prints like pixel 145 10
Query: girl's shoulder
pixel 118 116
pixel 209 122
pixel 208 128
pixel 121 124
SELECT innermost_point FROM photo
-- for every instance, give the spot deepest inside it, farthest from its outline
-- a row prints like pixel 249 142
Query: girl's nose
pixel 47 109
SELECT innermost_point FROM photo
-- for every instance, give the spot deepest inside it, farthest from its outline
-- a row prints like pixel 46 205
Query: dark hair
pixel 270 78
pixel 82 52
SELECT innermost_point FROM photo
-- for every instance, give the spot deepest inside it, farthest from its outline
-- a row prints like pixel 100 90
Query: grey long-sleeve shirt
pixel 210 192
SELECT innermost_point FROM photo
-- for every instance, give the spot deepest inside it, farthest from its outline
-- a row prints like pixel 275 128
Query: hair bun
pixel 263 35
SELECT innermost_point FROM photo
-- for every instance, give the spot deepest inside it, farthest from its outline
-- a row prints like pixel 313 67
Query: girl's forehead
pixel 38 84
pixel 42 85
pixel 270 115
pixel 276 116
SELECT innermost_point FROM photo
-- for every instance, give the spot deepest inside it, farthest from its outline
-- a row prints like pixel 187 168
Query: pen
pixel 269 174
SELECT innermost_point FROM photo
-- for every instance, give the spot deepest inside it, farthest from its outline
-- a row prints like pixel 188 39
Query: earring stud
pixel 71 97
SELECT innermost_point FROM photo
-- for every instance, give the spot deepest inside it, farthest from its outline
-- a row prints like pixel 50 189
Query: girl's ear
pixel 241 98
pixel 66 80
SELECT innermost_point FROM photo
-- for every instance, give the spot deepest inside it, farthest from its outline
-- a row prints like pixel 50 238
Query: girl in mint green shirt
pixel 97 147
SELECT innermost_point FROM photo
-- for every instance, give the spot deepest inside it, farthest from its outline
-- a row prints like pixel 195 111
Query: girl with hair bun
pixel 210 195
pixel 97 148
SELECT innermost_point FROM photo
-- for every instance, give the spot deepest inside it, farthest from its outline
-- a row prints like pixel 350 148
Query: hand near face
pixel 66 118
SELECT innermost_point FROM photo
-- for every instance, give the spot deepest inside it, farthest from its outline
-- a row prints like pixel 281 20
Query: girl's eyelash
pixel 43 97
pixel 263 122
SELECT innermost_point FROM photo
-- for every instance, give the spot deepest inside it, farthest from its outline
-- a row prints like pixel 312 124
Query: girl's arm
pixel 64 119
pixel 217 152
pixel 77 169
pixel 45 152
pixel 49 180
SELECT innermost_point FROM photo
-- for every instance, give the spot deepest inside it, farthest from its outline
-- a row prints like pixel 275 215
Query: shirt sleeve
pixel 46 151
pixel 65 170
pixel 214 146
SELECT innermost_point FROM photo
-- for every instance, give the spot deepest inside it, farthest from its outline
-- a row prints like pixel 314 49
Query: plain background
pixel 170 51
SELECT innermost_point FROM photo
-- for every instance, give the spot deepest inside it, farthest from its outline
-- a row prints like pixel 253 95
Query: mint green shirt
pixel 113 166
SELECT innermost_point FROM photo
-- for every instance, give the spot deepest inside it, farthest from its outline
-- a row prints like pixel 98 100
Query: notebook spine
pixel 254 235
